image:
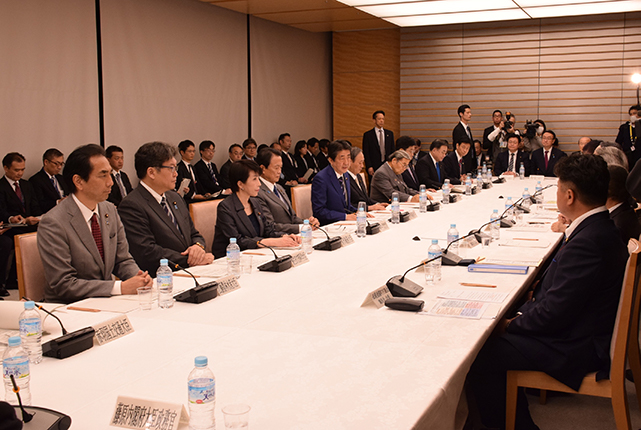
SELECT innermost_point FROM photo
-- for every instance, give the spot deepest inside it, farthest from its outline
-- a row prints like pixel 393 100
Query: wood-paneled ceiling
pixel 310 15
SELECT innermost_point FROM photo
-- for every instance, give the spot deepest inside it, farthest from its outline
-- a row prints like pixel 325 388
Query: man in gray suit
pixel 278 208
pixel 388 180
pixel 156 218
pixel 81 241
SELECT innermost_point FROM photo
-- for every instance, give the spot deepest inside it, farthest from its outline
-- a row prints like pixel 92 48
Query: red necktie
pixel 97 235
pixel 19 193
pixel 546 160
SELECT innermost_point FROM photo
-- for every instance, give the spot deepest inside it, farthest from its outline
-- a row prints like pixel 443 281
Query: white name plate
pixel 112 329
pixel 346 239
pixel 384 225
pixel 298 258
pixel 377 297
pixel 413 214
pixel 132 413
pixel 227 284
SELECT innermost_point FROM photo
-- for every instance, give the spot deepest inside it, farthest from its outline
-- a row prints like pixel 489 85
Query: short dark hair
pixel 437 143
pixel 511 135
pixel 264 157
pixel 232 146
pixel 587 175
pixel 299 145
pixel 540 121
pixel 152 154
pixel 8 159
pixel 553 135
pixel 376 113
pixel 248 142
pixel 239 171
pixel 312 141
pixel 405 142
pixel 79 163
pixel 637 107
pixel 51 153
pixel 616 187
pixel 463 139
pixel 111 149
pixel 495 111
pixel 262 146
pixel 185 145
pixel 282 136
pixel 205 144
pixel 323 143
pixel 461 109
pixel 591 146
pixel 274 144
pixel 337 146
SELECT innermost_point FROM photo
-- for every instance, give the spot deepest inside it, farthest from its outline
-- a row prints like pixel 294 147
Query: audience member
pixel 454 163
pixel 409 145
pixel 481 156
pixel 378 143
pixel 582 142
pixel 187 150
pixel 532 138
pixel 590 147
pixel 358 190
pixel 235 154
pixel 156 219
pixel 494 140
pixel 290 176
pixel 312 151
pixel 321 157
pixel 544 159
pixel 387 179
pixel 207 176
pixel 81 241
pixel 429 169
pixel 509 162
pixel 249 147
pixel 122 185
pixel 618 204
pixel 242 216
pixel 462 132
pixel 612 155
pixel 48 184
pixel 17 196
pixel 276 146
pixel 300 153
pixel 628 136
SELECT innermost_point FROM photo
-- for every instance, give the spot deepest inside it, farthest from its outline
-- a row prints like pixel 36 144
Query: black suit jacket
pixel 206 184
pixel 626 222
pixel 427 174
pixel 322 161
pixel 183 172
pixel 151 233
pixel 358 192
pixel 503 160
pixel 458 134
pixel 537 161
pixel 411 178
pixel 115 196
pixel 46 193
pixel 224 174
pixel 289 167
pixel 301 165
pixel 312 162
pixel 372 150
pixel 12 204
pixel 568 325
pixel 452 168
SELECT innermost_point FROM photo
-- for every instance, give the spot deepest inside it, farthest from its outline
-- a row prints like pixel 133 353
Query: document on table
pixel 532 228
pixel 457 309
pixel 118 304
pixel 511 262
pixel 525 243
pixel 476 296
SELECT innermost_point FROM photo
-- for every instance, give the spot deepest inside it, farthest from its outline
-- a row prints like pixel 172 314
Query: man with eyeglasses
pixel 48 184
pixel 387 179
pixel 209 180
pixel 156 218
pixel 544 159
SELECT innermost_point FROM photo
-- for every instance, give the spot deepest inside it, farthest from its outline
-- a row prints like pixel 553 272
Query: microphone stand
pixel 331 244
pixel 401 287
pixel 200 293
pixel 278 264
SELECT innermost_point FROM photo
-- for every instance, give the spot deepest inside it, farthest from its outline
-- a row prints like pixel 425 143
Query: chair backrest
pixel 203 214
pixel 628 312
pixel 302 201
pixel 31 275
pixel 364 176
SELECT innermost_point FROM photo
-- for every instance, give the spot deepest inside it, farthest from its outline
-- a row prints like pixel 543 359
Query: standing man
pixel 122 186
pixel 628 136
pixel 187 151
pixel 81 241
pixel 378 144
pixel 462 132
pixel 235 154
pixel 509 162
pixel 48 184
pixel 544 159
pixel 249 147
pixel 207 175
pixel 494 141
pixel 156 219
pixel 429 169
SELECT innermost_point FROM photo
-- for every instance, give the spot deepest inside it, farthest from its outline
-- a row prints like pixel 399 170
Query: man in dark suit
pixel 565 329
pixel 187 150
pixel 313 148
pixel 455 165
pixel 249 149
pixel 156 219
pixel 411 146
pixel 429 169
pixel 81 241
pixel 121 186
pixel 509 162
pixel 289 176
pixel 628 136
pixel 378 143
pixel 235 154
pixel 618 204
pixel 17 195
pixel 331 199
pixel 462 132
pixel 321 156
pixel 272 196
pixel 207 176
pixel 357 188
pixel 544 159
pixel 494 141
pixel 48 184
pixel 387 179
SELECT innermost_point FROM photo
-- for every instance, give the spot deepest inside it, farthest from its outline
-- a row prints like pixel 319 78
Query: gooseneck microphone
pixel 278 264
pixel 331 244
pixel 540 191
pixel 372 228
pixel 401 287
pixel 200 293
pixel 26 416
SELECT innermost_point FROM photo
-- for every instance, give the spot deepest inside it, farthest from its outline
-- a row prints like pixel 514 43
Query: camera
pixel 508 124
pixel 530 128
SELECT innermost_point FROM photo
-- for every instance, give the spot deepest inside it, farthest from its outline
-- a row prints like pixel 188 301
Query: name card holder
pixel 227 284
pixel 377 297
pixel 412 215
pixel 133 413
pixel 299 257
pixel 347 239
pixel 384 225
pixel 112 329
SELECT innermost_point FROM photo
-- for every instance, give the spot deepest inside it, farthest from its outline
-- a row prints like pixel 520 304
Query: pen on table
pixel 254 253
pixel 467 284
pixel 525 238
pixel 76 308
pixel 478 260
pixel 184 275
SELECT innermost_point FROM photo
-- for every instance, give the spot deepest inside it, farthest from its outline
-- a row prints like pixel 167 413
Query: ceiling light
pixel 584 9
pixel 452 18
pixel 636 79
pixel 432 7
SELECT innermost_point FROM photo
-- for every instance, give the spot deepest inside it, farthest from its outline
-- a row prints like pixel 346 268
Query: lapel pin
pixel 107 219
pixel 175 206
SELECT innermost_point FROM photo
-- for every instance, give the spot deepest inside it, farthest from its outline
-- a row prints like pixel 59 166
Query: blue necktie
pixel 438 170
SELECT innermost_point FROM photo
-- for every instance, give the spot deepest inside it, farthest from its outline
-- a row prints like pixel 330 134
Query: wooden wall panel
pixel 366 78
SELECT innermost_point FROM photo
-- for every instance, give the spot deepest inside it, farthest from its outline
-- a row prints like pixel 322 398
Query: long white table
pixel 297 346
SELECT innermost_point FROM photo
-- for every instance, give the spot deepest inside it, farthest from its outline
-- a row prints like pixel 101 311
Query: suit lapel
pixel 183 222
pixel 13 194
pixel 273 197
pixel 155 206
pixel 109 239
pixel 84 233
pixel 241 215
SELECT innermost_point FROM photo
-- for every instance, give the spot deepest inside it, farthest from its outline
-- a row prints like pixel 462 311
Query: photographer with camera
pixel 531 138
pixel 494 137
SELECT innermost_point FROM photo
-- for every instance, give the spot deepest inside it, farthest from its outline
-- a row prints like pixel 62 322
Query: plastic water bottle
pixel 468 186
pixel 165 283
pixel 495 227
pixel 446 192
pixel 308 238
pixel 396 209
pixel 202 396
pixel 509 208
pixel 526 198
pixel 522 171
pixel 31 332
pixel 433 269
pixel 233 258
pixel 15 361
pixel 452 235
pixel 361 222
pixel 479 183
pixel 484 170
pixel 539 196
pixel 422 199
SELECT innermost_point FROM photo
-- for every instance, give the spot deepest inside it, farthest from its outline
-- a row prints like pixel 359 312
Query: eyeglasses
pixel 172 168
pixel 57 163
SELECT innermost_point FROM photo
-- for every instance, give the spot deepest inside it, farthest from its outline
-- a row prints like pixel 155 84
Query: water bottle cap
pixel 395 198
pixel 509 198
pixel 496 211
pixel 434 241
pixel 200 361
pixel 232 240
pixel 306 222
pixel 164 262
pixel 29 305
pixel 452 225
pixel 14 341
pixel 525 189
pixel 361 210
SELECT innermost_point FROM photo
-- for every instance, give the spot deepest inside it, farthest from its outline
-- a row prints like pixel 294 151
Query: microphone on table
pixel 532 197
pixel 478 234
pixel 278 264
pixel 451 259
pixel 331 244
pixel 200 293
pixel 433 206
pixel 69 343
pixel 372 228
pixel 401 287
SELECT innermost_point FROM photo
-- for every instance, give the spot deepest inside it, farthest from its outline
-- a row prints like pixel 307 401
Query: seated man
pixel 81 241
pixel 387 179
pixel 455 163
pixel 566 327
pixel 207 175
pixel 358 191
pixel 187 151
pixel 235 154
pixel 509 162
pixel 409 145
pixel 48 184
pixel 249 149
pixel 544 159
pixel 156 219
pixel 122 186
pixel 429 169
pixel 312 152
pixel 17 196
pixel 277 207
pixel 618 205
